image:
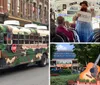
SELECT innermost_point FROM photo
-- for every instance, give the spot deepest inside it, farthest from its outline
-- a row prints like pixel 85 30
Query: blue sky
pixel 64 47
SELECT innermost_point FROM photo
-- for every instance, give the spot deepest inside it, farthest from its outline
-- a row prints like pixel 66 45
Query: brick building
pixel 25 11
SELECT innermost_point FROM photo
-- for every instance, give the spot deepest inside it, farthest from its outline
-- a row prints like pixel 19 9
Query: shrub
pixel 82 80
pixel 87 81
pixel 93 81
pixel 58 81
pixel 53 71
pixel 65 72
pixel 62 71
pixel 62 80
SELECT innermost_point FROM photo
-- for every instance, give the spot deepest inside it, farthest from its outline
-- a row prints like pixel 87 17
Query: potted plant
pixel 93 82
pixel 86 82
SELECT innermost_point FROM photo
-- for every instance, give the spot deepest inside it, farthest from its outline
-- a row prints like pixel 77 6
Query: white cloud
pixel 61 47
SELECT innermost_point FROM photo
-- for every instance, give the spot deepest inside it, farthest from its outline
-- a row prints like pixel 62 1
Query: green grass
pixel 62 80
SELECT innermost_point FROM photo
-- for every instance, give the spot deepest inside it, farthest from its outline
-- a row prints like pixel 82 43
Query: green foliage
pixel 44 50
pixel 2 47
pixel 62 72
pixel 52 50
pixel 93 81
pixel 62 80
pixel 65 72
pixel 86 53
pixel 29 52
pixel 83 80
pixel 86 80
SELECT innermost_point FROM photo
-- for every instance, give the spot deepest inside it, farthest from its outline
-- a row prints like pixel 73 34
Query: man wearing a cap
pixel 84 29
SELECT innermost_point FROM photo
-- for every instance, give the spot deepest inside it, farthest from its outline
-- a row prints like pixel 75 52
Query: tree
pixel 52 50
pixel 86 53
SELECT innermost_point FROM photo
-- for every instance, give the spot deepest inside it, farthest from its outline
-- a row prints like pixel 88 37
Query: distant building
pixel 64 56
pixel 25 11
pixel 65 59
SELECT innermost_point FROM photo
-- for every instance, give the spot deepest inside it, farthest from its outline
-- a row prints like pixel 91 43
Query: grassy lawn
pixel 62 79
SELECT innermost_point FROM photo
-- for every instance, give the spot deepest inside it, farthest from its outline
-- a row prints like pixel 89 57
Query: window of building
pixel 9 5
pixel 25 8
pixel 34 10
pixel 21 8
pixel 39 11
pixel 45 12
pixel 34 4
pixel 31 10
pixel 18 6
pixel 14 7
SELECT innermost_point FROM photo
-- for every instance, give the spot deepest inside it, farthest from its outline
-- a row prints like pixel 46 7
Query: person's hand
pixel 92 10
pixel 78 15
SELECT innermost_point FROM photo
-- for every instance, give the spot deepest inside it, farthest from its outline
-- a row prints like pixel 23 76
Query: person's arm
pixel 92 12
pixel 76 16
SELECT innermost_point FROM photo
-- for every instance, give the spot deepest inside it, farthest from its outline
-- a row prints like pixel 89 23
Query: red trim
pixel 14 48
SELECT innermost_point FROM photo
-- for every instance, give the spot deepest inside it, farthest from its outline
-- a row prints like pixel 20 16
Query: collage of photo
pixel 49 42
pixel 75 42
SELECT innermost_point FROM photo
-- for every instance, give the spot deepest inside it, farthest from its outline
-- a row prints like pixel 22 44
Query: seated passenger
pixel 53 36
pixel 62 29
pixel 71 28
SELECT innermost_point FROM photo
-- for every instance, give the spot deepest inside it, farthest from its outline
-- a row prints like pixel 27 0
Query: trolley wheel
pixel 43 62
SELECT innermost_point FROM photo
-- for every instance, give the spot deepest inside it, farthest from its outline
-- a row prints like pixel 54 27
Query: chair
pixel 63 36
pixel 76 37
pixel 96 35
pixel 57 38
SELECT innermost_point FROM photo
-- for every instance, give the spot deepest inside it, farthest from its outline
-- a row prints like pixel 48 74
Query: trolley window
pixel 7 38
pixel 15 39
pixel 36 39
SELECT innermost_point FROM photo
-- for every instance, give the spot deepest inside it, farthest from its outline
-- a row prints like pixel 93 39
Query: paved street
pixel 32 75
